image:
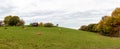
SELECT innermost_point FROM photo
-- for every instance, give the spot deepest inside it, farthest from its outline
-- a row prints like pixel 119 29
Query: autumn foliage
pixel 108 25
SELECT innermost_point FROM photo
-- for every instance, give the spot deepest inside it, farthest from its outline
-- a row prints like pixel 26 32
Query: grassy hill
pixel 53 38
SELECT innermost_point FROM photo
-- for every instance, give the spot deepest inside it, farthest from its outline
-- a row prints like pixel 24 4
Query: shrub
pixel 0 23
pixel 35 24
pixel 48 25
pixel 91 27
pixel 84 28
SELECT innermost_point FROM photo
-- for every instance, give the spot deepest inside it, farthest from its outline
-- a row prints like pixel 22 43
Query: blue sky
pixel 66 13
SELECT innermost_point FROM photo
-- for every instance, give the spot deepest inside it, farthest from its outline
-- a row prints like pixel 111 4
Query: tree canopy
pixel 108 25
pixel 13 21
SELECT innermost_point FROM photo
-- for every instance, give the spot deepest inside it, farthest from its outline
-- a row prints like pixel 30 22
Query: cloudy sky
pixel 66 13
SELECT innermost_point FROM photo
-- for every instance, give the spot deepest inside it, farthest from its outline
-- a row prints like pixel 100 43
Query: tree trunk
pixel 119 31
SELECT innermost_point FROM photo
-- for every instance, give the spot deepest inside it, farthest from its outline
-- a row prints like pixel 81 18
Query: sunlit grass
pixel 53 38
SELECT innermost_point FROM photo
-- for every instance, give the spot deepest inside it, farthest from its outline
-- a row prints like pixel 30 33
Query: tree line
pixel 16 21
pixel 108 25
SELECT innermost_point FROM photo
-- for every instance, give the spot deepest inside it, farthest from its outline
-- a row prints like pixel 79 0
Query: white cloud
pixel 67 13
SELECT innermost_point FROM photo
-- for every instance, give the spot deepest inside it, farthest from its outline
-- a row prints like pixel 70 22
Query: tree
pixel 116 16
pixel 1 23
pixel 116 12
pixel 14 21
pixel 99 27
pixel 48 25
pixel 116 22
pixel 11 20
pixel 108 25
pixel 91 27
pixel 35 24
pixel 84 28
pixel 7 19
pixel 21 22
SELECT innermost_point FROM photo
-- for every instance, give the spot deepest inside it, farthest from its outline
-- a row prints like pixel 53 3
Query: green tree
pixel 14 21
pixel 91 27
pixel 7 19
pixel 11 20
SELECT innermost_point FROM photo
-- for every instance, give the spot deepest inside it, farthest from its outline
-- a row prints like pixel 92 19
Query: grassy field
pixel 53 38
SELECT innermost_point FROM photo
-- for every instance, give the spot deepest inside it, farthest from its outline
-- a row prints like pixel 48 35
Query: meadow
pixel 54 38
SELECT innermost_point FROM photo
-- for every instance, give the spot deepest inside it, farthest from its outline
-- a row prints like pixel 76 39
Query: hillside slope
pixel 53 38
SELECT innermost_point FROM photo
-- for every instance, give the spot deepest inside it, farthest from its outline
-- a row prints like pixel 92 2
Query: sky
pixel 66 13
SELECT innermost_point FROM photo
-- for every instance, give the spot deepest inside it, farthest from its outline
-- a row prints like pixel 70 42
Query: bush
pixel 48 25
pixel 84 28
pixel 35 24
pixel 0 23
pixel 91 27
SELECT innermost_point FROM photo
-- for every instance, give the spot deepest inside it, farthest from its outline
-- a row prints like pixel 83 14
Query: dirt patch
pixel 39 33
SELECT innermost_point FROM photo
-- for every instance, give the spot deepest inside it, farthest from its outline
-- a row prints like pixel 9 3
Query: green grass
pixel 54 38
